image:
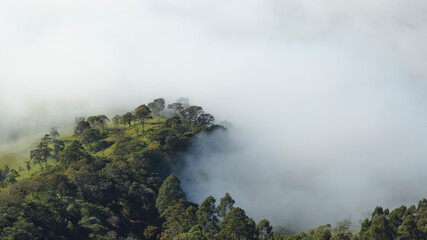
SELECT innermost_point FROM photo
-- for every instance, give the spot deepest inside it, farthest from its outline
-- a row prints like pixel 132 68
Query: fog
pixel 327 99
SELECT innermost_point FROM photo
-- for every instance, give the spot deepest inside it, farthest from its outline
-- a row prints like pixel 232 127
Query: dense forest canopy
pixel 114 179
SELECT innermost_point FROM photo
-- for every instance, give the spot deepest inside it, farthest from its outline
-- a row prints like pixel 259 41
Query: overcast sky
pixel 328 98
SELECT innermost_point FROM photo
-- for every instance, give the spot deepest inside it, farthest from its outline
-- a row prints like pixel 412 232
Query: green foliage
pixel 98 121
pixel 323 232
pixel 4 172
pixel 342 231
pixel 117 119
pixel 191 114
pixel 152 233
pixel 178 220
pixel 90 136
pixel 73 153
pixel 142 113
pixel 101 145
pixel 408 229
pixel 176 107
pixel 54 133
pixel 205 120
pixel 11 176
pixel 421 217
pixel 157 106
pixel 127 118
pixel 81 126
pixel 379 227
pixel 195 233
pixel 236 225
pixel 58 146
pixel 170 194
pixel 264 230
pixel 225 205
pixel 42 152
pixel 20 229
pixel 396 219
pixel 206 216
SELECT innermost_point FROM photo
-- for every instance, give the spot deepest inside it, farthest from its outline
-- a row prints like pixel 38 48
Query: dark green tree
pixel 236 225
pixel 323 232
pixel 73 153
pixel 92 120
pixel 176 107
pixel 395 219
pixel 98 121
pixel 192 113
pixel 54 133
pixel 170 193
pixel 20 230
pixel 205 120
pixel 157 106
pixel 225 205
pixel 81 126
pixel 206 215
pixel 364 228
pixel 195 233
pixel 379 229
pixel 264 230
pixel 58 146
pixel 408 229
pixel 421 217
pixel 342 231
pixel 117 119
pixel 102 121
pixel 127 118
pixel 11 176
pixel 143 113
pixel 90 136
pixel 378 211
pixel 42 152
pixel 152 233
pixel 178 220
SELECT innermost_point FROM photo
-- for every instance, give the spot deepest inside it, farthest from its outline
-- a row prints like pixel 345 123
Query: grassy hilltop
pixel 16 154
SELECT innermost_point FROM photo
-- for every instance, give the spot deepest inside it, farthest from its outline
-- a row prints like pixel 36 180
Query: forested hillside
pixel 113 179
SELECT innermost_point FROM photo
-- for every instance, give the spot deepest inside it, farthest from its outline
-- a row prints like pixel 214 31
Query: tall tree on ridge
pixel 157 106
pixel 192 113
pixel 127 118
pixel 225 205
pixel 42 152
pixel 117 119
pixel 176 107
pixel 143 113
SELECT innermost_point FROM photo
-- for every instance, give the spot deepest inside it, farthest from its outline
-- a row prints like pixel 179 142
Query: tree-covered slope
pixel 113 179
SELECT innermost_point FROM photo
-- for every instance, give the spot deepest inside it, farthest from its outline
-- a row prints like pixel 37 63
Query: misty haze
pixel 304 113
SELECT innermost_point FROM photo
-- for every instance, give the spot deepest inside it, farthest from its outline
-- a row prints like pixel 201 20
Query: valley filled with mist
pixel 316 116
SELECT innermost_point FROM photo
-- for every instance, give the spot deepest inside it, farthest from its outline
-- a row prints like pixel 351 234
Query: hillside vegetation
pixel 113 179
